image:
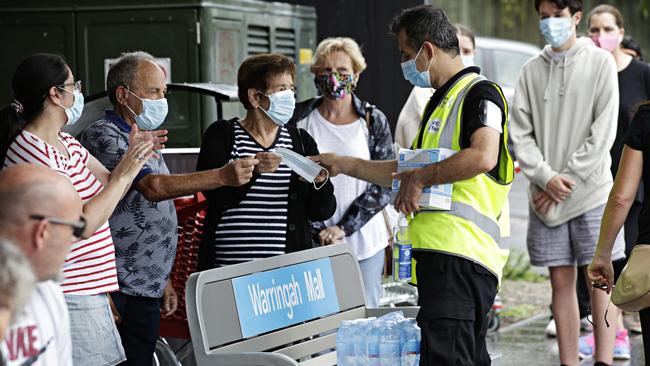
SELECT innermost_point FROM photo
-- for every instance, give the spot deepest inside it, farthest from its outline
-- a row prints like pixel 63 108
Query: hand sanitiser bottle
pixel 402 247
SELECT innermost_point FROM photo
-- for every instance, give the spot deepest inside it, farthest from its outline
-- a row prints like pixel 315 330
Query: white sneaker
pixel 551 331
pixel 585 326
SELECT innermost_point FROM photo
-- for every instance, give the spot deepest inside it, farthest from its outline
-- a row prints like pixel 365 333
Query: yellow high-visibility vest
pixel 472 228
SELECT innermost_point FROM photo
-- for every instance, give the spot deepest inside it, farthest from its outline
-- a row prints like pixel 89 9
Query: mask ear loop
pixel 127 104
pixel 327 173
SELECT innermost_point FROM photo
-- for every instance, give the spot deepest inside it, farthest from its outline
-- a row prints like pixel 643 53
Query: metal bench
pixel 231 324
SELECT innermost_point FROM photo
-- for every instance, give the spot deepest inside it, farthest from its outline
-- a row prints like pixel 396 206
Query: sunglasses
pixel 78 227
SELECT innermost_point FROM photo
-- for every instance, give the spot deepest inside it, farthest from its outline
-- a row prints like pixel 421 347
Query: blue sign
pixel 285 296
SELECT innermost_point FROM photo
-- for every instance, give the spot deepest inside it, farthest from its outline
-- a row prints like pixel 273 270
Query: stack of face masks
pixel 302 166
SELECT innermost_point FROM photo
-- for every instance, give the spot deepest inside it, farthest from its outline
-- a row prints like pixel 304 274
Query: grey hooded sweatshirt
pixel 564 118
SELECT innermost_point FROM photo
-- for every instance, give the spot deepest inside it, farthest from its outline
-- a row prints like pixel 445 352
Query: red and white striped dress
pixel 89 268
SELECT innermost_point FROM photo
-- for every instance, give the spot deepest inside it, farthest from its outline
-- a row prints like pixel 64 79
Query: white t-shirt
pixel 348 140
pixel 42 331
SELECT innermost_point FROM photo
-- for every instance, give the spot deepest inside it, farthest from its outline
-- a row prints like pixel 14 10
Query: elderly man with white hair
pixel 144 221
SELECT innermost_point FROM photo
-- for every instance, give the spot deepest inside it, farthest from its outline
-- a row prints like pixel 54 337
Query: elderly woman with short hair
pixel 270 215
pixel 344 124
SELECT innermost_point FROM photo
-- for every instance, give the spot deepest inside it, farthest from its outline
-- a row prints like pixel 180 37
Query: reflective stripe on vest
pixel 468 212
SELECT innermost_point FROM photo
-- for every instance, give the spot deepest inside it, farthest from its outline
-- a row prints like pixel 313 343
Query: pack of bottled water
pixel 391 340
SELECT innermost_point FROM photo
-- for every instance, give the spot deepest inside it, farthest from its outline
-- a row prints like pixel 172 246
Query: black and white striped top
pixel 256 227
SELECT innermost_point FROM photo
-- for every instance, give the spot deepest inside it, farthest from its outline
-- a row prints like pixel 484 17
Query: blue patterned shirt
pixel 144 232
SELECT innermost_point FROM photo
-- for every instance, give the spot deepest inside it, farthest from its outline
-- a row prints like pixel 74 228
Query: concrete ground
pixel 526 344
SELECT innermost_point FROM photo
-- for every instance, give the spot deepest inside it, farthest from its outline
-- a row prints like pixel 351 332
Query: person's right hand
pixel 329 161
pixel 559 187
pixel 238 172
pixel 542 202
pixel 601 271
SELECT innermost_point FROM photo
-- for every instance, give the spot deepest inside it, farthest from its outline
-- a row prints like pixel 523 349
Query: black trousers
pixel 139 328
pixel 455 296
pixel 644 315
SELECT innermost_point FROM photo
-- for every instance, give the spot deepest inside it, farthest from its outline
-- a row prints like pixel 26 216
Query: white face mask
pixel 302 166
pixel 467 60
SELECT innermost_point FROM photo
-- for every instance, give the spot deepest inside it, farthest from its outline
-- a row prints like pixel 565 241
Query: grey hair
pixel 427 23
pixel 122 73
pixel 17 280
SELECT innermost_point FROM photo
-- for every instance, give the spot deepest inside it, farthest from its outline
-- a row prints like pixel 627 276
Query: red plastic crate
pixel 190 212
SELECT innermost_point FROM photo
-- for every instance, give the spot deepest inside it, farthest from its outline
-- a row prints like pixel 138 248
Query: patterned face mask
pixel 334 85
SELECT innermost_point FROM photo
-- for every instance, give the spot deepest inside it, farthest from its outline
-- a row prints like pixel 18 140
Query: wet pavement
pixel 525 343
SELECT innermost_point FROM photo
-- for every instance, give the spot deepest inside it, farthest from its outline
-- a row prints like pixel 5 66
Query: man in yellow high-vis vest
pixel 458 253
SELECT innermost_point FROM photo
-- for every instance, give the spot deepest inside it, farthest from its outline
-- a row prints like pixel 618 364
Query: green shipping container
pixel 195 41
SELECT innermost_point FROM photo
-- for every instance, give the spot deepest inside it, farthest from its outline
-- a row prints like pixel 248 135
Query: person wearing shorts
pixel 564 118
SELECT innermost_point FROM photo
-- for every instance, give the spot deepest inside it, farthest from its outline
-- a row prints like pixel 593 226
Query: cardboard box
pixel 437 197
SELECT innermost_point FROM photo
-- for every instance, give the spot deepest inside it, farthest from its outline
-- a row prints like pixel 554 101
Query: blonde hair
pixel 330 45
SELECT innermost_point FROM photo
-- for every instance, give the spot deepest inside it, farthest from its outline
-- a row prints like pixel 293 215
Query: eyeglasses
pixel 600 286
pixel 78 85
pixel 78 227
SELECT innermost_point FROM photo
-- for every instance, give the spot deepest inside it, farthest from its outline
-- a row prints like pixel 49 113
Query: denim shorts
pixel 569 244
pixel 95 340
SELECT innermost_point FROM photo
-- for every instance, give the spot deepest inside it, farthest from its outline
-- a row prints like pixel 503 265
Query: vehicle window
pixel 508 64
pixel 480 57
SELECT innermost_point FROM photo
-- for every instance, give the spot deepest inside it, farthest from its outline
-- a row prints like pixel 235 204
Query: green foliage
pixel 518 268
pixel 513 12
pixel 644 8
pixel 519 311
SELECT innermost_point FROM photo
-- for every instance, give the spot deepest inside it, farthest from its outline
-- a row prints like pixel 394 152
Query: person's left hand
pixel 169 300
pixel 601 272
pixel 410 191
pixel 268 162
pixel 331 235
pixel 321 177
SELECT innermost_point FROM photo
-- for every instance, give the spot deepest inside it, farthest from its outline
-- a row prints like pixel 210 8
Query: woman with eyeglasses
pixel 46 98
pixel 342 123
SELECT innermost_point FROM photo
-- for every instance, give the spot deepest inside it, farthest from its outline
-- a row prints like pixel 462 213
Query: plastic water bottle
pixel 402 250
pixel 396 316
pixel 389 345
pixel 410 349
pixel 360 339
pixel 344 345
pixel 374 333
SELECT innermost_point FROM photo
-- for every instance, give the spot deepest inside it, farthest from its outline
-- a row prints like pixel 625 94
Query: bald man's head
pixel 27 190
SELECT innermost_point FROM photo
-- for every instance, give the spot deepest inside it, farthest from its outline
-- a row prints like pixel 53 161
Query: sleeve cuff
pixel 543 176
pixel 143 173
pixel 345 230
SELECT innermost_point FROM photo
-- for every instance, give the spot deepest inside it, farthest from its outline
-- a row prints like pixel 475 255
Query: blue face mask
pixel 281 108
pixel 556 31
pixel 153 113
pixel 415 77
pixel 74 112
